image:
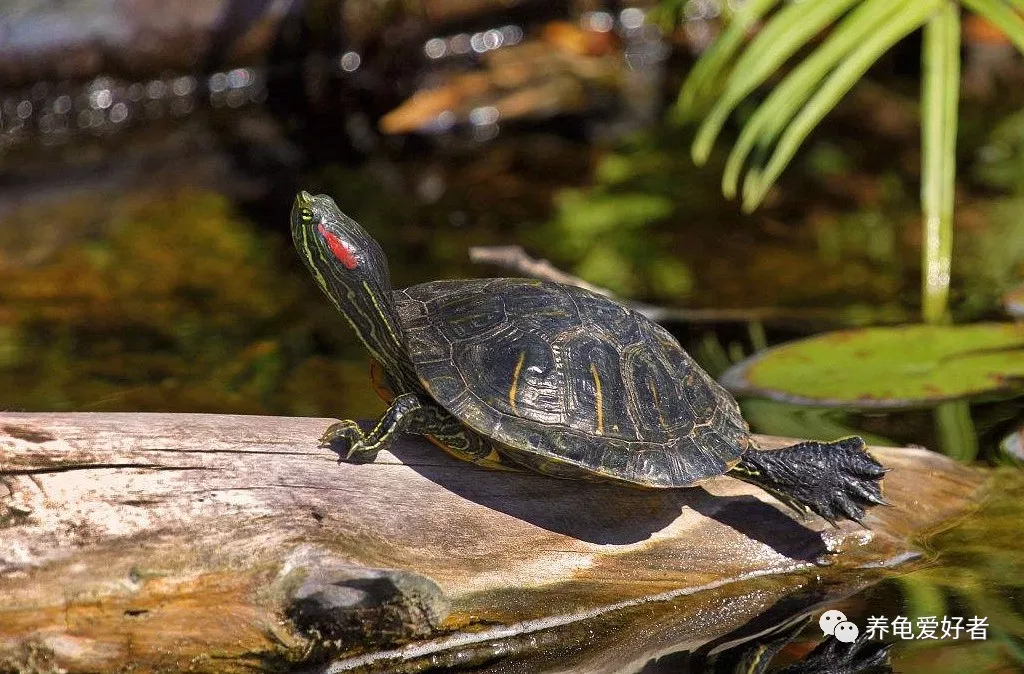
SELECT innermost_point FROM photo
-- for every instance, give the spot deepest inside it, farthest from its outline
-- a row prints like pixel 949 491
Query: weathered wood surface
pixel 232 543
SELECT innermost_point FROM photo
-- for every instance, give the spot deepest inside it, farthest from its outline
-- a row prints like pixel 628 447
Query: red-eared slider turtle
pixel 523 373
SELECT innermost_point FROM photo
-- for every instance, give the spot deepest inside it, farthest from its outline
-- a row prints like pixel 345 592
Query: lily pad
pixel 890 367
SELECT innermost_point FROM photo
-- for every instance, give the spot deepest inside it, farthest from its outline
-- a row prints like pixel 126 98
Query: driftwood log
pixel 158 542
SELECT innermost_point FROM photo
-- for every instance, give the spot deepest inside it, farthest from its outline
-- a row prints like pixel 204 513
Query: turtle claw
pixel 342 434
pixel 850 483
pixel 852 511
pixel 346 436
pixel 342 430
pixel 868 492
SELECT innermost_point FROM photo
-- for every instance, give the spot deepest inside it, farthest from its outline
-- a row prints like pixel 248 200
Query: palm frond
pixel 765 125
pixel 713 62
pixel 783 35
pixel 914 14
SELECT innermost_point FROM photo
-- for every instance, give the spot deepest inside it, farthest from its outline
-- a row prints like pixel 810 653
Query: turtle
pixel 526 374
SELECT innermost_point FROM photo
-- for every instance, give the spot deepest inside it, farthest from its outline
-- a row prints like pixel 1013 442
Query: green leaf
pixel 832 90
pixel 940 92
pixel 958 438
pixel 1008 21
pixel 1000 162
pixel 771 117
pixel 608 267
pixel 670 277
pixel 713 62
pixel 892 368
pixel 588 215
pixel 784 34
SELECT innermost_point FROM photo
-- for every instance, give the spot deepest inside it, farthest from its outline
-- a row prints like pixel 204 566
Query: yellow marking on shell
pixel 515 382
pixel 657 402
pixel 599 399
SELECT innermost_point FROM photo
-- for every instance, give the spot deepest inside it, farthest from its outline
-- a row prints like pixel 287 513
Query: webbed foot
pixel 347 437
pixel 837 480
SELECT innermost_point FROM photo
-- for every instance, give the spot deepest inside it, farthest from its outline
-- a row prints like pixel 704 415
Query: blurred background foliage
pixel 860 33
pixel 144 258
pixel 159 276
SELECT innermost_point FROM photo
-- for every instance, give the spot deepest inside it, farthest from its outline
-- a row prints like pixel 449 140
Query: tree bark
pixel 166 542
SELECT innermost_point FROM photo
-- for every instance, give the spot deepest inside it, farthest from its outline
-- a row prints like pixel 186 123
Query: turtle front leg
pixel 391 424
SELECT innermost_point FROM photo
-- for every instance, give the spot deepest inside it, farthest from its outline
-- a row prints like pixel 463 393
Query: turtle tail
pixel 837 480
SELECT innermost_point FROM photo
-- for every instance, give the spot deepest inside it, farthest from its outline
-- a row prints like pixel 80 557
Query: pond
pixel 149 267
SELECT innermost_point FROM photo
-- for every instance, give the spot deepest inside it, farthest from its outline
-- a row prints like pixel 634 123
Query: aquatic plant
pixel 861 31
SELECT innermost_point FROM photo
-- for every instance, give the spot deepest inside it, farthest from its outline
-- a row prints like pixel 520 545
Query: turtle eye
pixel 306 215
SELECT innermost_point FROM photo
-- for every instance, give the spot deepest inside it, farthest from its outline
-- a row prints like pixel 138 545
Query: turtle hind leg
pixel 836 480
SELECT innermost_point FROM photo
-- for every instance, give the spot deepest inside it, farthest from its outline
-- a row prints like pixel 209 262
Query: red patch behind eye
pixel 338 247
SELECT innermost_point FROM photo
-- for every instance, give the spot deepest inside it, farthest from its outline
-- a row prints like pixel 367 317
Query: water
pixel 973 571
pixel 150 269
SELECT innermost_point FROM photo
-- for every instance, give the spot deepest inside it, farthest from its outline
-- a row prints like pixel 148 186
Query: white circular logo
pixel 829 619
pixel 846 632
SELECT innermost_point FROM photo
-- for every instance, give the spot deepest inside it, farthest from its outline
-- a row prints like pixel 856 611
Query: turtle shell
pixel 570 383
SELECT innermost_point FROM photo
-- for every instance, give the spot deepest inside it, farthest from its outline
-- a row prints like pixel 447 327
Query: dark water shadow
pixel 752 646
pixel 605 513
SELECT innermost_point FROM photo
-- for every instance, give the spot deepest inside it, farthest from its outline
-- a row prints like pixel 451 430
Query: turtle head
pixel 336 248
pixel 350 267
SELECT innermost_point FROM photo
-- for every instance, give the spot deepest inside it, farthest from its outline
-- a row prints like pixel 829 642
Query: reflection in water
pixel 831 656
pixel 51 113
pixel 728 634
